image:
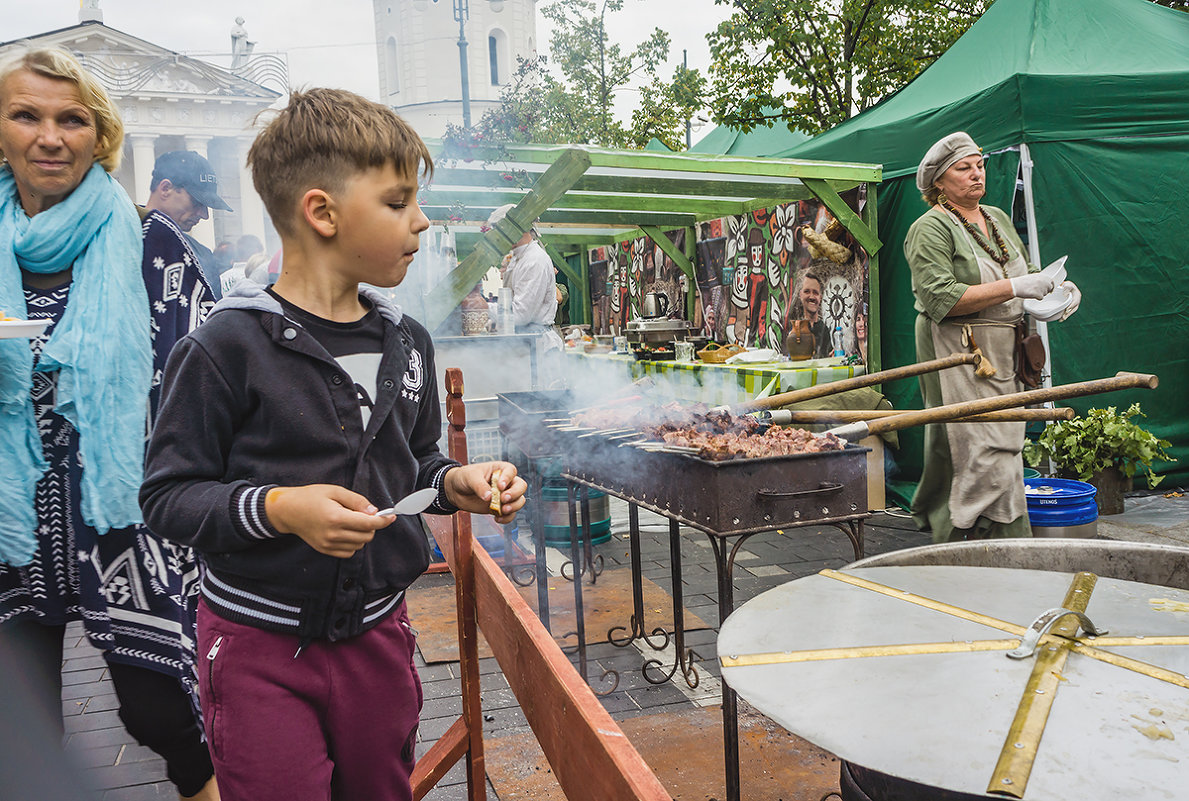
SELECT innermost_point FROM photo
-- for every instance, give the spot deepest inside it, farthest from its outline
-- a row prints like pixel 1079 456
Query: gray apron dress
pixel 988 473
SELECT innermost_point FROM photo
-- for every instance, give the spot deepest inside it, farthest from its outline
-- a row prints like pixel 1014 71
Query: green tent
pixel 1082 107
pixel 761 141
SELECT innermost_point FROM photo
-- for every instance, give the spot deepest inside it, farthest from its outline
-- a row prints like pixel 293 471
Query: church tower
pixel 417 49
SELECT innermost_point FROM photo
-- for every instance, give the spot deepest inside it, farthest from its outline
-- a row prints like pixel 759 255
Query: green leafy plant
pixel 1102 439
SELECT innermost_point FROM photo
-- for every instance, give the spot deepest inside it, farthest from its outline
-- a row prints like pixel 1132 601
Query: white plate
pixel 1056 271
pixel 1051 306
pixel 21 329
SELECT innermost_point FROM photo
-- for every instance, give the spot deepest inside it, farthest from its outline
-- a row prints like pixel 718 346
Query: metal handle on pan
pixel 822 489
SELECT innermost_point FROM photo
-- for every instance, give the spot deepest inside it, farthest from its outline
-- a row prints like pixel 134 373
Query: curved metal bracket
pixel 1041 626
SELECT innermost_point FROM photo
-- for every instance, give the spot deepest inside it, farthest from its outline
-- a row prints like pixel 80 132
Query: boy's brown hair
pixel 322 138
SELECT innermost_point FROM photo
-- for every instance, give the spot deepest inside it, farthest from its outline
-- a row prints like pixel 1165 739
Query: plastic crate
pixel 484 442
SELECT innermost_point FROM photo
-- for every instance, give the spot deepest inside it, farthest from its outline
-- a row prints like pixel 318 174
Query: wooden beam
pixel 691 289
pixel 845 214
pixel 560 262
pixel 640 182
pixel 554 183
pixel 440 215
pixel 479 204
pixel 665 244
pixel 681 162
pixel 440 758
pixel 586 748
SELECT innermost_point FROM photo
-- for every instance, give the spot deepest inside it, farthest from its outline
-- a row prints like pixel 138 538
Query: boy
pixel 286 420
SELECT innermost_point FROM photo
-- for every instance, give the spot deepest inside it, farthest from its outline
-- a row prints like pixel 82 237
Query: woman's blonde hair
pixel 56 63
pixel 932 196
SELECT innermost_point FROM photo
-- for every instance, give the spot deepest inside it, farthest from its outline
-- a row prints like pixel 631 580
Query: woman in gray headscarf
pixel 970 276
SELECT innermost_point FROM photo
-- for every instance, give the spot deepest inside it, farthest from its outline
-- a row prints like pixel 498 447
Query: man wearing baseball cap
pixel 183 188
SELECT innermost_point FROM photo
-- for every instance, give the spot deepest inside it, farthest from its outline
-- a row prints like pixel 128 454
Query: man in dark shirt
pixel 184 188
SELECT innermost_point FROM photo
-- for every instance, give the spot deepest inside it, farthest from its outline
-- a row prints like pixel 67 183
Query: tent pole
pixel 1042 328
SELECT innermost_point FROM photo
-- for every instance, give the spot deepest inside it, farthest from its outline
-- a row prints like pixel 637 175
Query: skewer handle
pixel 823 416
pixel 945 414
pixel 871 379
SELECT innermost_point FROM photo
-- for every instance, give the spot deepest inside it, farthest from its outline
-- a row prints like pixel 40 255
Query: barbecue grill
pixel 724 499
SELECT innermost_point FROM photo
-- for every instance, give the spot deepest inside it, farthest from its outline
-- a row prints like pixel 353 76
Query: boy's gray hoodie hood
pixel 249 295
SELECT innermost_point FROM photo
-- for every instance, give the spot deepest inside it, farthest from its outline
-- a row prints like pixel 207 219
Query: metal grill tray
pixel 737 496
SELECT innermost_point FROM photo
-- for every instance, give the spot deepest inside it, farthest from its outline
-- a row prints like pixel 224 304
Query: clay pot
pixel 1111 485
pixel 800 342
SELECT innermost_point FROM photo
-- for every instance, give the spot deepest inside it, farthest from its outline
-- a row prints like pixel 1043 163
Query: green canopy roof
pixel 761 141
pixel 1031 71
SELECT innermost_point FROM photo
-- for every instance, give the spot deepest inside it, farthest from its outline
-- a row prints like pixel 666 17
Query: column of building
pixel 143 158
pixel 252 213
pixel 204 231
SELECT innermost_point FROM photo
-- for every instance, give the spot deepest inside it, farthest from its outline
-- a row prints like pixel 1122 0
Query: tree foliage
pixel 571 96
pixel 822 61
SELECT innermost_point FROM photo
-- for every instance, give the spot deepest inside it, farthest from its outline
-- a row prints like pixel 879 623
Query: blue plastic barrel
pixel 1061 507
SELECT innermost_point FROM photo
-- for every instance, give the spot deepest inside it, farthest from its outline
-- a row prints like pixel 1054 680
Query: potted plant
pixel 1103 448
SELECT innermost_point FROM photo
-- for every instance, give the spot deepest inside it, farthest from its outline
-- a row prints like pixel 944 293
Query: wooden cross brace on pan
pixel 1051 638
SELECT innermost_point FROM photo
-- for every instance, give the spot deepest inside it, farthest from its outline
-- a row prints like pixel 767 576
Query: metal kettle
pixel 655 304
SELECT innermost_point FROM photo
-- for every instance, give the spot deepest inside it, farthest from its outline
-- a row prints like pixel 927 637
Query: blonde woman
pixel 73 405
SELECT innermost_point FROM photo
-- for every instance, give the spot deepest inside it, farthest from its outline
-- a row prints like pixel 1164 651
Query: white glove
pixel 1074 293
pixel 1033 285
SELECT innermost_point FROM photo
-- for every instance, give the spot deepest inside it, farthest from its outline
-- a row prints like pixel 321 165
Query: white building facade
pixel 173 102
pixel 418 56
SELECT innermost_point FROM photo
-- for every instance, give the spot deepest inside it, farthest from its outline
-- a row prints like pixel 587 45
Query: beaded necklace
pixel 1000 258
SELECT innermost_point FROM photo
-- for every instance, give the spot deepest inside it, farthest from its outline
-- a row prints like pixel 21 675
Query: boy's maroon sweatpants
pixel 336 721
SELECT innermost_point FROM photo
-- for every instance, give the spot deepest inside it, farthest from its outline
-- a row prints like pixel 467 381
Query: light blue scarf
pixel 101 348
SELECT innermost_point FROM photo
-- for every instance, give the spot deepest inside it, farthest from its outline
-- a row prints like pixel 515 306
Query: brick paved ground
pixel 123 771
pixel 120 770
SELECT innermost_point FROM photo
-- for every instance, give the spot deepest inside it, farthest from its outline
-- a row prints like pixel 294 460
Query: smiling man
pixel 184 189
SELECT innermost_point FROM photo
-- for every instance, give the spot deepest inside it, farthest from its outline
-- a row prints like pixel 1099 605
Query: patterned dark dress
pixel 134 592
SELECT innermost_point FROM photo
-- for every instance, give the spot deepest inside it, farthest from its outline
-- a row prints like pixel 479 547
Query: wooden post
pixel 464 596
pixel 874 335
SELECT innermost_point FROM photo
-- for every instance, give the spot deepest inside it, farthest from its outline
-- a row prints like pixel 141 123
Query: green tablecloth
pixel 714 384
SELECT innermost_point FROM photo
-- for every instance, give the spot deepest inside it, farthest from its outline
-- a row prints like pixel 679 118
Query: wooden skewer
pixel 944 414
pixel 809 416
pixel 871 379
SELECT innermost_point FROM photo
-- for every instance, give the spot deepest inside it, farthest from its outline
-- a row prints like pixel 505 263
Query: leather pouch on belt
pixel 1030 356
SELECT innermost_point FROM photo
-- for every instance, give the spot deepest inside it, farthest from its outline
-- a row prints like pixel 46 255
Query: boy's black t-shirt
pixel 357 346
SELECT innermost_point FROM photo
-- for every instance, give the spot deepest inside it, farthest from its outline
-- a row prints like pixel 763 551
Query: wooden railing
pixel 590 755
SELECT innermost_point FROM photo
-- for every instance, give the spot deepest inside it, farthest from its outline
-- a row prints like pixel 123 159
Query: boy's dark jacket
pixel 252 401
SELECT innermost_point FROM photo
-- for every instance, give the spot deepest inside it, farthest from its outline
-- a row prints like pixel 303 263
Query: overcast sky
pixel 328 43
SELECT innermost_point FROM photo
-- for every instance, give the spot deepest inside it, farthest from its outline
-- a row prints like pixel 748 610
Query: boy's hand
pixel 469 488
pixel 332 520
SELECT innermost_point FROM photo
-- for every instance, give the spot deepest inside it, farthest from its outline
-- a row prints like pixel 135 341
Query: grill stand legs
pixel 684 658
pixel 579 609
pixel 724 565
pixel 637 628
